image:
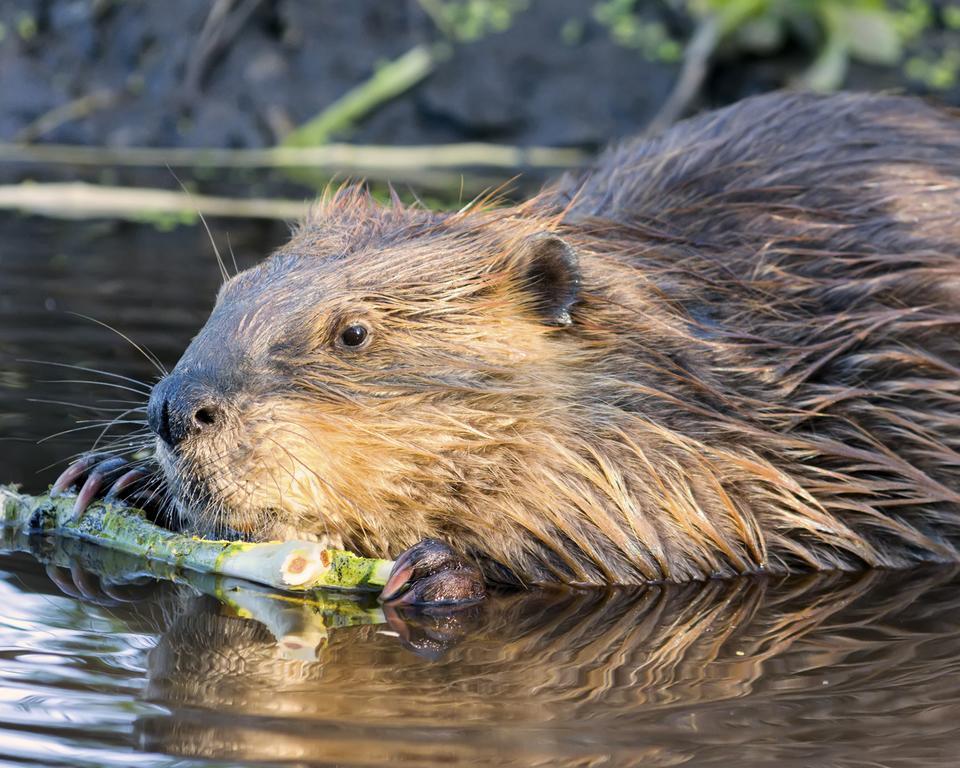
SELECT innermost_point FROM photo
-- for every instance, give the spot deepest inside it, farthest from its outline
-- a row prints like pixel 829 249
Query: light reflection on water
pixel 856 670
pixel 838 670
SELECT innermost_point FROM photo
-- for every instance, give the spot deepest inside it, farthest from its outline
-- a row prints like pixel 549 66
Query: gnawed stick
pixel 297 566
pixel 301 623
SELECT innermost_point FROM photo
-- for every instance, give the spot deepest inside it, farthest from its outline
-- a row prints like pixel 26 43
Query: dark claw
pixel 92 472
pixel 75 471
pixel 428 557
pixel 101 473
pixel 443 588
pixel 399 576
pixel 123 483
pixel 431 573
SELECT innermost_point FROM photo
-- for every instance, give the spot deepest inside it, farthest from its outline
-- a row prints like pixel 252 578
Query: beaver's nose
pixel 179 408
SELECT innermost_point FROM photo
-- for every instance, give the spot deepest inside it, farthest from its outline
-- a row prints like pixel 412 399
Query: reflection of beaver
pixel 732 348
pixel 747 672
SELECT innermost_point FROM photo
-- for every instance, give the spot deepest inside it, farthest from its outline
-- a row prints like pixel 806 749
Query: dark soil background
pixel 555 76
pixel 291 58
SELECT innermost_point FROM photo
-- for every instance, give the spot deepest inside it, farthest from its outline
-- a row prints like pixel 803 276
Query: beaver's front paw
pixel 93 473
pixel 431 573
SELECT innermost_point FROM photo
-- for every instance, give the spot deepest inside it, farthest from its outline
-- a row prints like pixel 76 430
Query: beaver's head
pixel 353 383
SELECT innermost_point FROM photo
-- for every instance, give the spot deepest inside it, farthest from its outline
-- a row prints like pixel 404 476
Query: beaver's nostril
pixel 179 408
pixel 205 416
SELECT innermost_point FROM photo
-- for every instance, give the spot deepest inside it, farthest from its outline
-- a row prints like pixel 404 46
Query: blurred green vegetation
pixel 632 30
pixel 469 20
pixel 834 31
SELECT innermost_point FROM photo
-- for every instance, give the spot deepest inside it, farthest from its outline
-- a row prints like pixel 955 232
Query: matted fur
pixel 762 372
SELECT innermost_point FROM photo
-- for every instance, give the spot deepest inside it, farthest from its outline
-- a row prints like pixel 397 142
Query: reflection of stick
pixel 291 565
pixel 301 628
pixel 299 623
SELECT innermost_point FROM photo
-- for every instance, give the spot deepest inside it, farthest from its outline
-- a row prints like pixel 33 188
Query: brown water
pixel 834 670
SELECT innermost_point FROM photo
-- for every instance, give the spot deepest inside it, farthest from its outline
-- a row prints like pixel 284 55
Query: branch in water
pixel 297 566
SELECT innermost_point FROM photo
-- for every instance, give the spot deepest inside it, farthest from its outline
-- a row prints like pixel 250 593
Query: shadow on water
pixel 839 670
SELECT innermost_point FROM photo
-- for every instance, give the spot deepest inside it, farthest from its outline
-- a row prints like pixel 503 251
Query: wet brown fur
pixel 762 372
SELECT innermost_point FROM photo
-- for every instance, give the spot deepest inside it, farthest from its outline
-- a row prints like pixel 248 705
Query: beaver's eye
pixel 353 335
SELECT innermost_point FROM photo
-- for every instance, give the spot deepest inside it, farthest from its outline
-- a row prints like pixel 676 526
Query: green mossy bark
pixel 293 565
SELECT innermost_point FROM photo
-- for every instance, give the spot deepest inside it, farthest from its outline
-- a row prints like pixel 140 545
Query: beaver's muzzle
pixel 180 407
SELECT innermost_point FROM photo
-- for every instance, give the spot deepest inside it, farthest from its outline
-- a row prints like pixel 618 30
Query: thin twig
pixel 348 158
pixel 696 61
pixel 76 200
pixel 386 83
pixel 76 109
pixel 222 25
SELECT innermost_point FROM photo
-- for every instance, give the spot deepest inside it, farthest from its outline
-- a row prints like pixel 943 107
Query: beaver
pixel 731 348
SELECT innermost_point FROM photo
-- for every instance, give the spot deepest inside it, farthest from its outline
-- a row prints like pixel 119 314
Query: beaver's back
pixel 788 166
pixel 814 244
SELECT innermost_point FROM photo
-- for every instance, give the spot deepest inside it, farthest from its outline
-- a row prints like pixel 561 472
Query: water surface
pixel 100 665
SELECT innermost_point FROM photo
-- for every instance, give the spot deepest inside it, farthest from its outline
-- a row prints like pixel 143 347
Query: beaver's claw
pixel 92 472
pixel 80 584
pixel 431 573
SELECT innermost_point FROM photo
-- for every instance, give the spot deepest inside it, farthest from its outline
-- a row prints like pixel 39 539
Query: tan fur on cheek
pixel 293 469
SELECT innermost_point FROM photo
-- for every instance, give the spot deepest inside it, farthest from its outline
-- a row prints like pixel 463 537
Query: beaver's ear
pixel 550 271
